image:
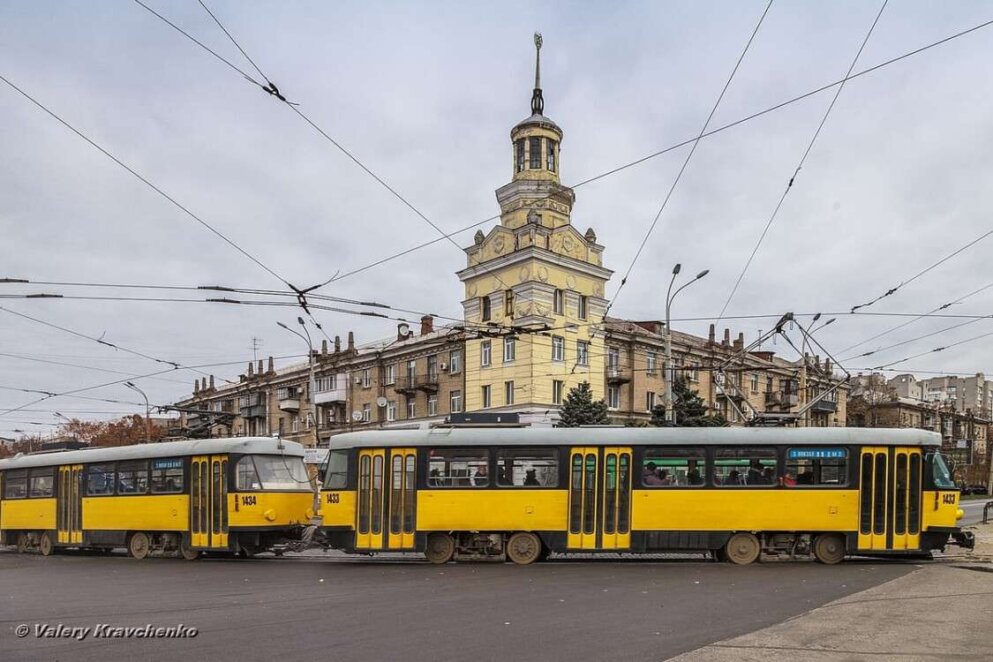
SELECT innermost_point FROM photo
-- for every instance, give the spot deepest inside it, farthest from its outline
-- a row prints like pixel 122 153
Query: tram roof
pixel 618 436
pixel 254 445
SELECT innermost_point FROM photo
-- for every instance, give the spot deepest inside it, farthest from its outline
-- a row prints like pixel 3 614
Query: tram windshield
pixel 940 471
pixel 272 472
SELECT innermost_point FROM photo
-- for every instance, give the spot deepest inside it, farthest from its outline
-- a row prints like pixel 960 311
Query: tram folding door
pixel 386 519
pixel 599 498
pixel 209 501
pixel 890 498
pixel 69 505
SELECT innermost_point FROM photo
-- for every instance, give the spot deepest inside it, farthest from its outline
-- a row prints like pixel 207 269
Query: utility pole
pixel 670 369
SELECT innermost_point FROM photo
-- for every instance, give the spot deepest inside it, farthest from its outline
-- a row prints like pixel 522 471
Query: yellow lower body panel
pixel 137 513
pixel 34 514
pixel 492 510
pixel 267 509
pixel 744 510
pixel 338 508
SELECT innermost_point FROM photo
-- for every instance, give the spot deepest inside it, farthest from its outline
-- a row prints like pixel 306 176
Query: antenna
pixel 256 346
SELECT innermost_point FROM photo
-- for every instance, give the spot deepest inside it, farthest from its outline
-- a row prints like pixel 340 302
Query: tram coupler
pixel 966 539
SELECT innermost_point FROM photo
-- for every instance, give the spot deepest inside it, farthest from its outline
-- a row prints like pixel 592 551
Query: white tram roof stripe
pixel 610 436
pixel 254 445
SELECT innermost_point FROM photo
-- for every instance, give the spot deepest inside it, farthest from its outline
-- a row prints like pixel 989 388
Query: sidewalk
pixel 939 612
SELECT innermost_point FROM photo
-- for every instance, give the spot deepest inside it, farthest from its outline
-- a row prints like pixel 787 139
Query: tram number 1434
pixel 249 500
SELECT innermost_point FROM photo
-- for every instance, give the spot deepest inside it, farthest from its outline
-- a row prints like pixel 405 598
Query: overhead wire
pixel 803 159
pixel 913 340
pixel 934 351
pixel 689 156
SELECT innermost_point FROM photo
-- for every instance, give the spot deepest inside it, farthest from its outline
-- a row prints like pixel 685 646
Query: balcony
pixel 617 375
pixel 773 398
pixel 289 404
pixel 253 411
pixel 409 384
pixel 824 406
pixel 428 383
pixel 334 395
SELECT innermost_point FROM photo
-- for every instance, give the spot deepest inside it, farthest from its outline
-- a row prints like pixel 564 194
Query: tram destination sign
pixel 816 454
pixel 172 463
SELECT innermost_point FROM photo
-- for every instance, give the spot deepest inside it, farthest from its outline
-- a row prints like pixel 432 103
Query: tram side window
pixel 816 466
pixel 15 484
pixel 337 478
pixel 523 467
pixel 42 483
pixel 455 467
pixel 745 467
pixel 100 479
pixel 132 477
pixel 167 476
pixel 673 467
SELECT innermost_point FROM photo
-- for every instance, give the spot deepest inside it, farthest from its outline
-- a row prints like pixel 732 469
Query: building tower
pixel 537 274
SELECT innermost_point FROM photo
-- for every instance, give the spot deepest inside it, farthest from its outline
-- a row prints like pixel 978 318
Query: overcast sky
pixel 425 95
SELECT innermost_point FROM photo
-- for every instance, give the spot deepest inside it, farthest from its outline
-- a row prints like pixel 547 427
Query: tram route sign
pixel 172 463
pixel 816 454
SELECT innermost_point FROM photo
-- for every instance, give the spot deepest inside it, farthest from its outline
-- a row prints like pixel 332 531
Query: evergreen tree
pixel 691 412
pixel 579 408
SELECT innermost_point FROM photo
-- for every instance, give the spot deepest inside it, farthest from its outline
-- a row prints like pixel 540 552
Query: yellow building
pixel 534 286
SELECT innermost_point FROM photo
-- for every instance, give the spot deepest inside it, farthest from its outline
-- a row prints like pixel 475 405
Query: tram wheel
pixel 23 543
pixel 139 546
pixel 186 551
pixel 45 545
pixel 742 548
pixel 523 548
pixel 829 548
pixel 440 548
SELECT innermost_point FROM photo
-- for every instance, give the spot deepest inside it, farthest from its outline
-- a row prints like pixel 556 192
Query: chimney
pixel 427 324
pixel 710 336
pixel 324 347
pixel 211 382
pixel 260 367
pixel 741 340
pixel 337 344
pixel 827 366
pixel 196 386
pixel 351 341
pixel 272 367
pixel 251 369
pixel 727 337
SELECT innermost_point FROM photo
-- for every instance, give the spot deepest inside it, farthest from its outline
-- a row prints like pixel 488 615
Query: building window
pixel 519 149
pixel 650 362
pixel 558 302
pixel 391 410
pixel 411 408
pixel 613 397
pixel 327 383
pixel 558 348
pixel 455 361
pixel 693 374
pixel 390 373
pixel 433 368
pixel 484 302
pixel 455 402
pixel 582 306
pixel 557 388
pixel 534 147
pixel 650 400
pixel 582 353
pixel 485 353
pixel 755 383
pixel 366 412
pixel 613 358
pixel 433 404
pixel 550 146
pixel 508 392
pixel 486 396
pixel 509 349
pixel 366 378
pixel 508 303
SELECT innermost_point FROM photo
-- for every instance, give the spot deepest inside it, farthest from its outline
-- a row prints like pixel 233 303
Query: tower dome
pixel 536 139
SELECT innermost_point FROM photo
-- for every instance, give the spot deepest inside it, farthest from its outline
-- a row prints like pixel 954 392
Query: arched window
pixel 519 154
pixel 550 145
pixel 534 146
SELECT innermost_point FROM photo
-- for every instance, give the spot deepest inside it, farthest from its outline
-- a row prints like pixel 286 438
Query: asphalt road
pixel 973 511
pixel 357 609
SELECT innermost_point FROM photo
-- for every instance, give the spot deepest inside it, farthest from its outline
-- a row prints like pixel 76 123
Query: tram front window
pixel 268 472
pixel 942 476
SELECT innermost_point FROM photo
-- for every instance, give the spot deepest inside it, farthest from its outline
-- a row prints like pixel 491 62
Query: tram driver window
pixel 15 484
pixel 523 467
pixel 132 477
pixel 815 466
pixel 167 476
pixel 745 467
pixel 42 483
pixel 337 476
pixel 100 479
pixel 454 467
pixel 673 467
pixel 247 476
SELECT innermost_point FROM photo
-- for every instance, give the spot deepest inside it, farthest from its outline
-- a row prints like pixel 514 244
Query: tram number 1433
pixel 333 497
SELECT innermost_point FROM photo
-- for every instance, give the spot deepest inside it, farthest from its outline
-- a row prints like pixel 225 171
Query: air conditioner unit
pixel 443 365
pixel 358 380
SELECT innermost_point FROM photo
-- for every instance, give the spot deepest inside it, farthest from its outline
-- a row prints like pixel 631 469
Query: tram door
pixel 69 504
pixel 209 501
pixel 890 498
pixel 599 498
pixel 386 511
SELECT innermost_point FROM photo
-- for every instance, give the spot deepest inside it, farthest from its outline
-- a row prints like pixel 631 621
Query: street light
pixel 670 412
pixel 148 435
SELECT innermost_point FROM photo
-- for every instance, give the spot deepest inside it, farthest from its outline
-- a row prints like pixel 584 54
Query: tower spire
pixel 537 102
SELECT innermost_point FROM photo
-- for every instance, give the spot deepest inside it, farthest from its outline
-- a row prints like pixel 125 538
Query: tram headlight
pixel 959 514
pixel 270 515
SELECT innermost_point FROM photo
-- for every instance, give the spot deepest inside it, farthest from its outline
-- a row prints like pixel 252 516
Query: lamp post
pixel 312 381
pixel 670 412
pixel 148 434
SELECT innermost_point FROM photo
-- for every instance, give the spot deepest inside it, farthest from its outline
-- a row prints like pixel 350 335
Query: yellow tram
pixel 216 495
pixel 521 493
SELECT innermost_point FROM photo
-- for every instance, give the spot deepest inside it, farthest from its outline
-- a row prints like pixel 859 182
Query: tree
pixel 579 408
pixel 691 412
